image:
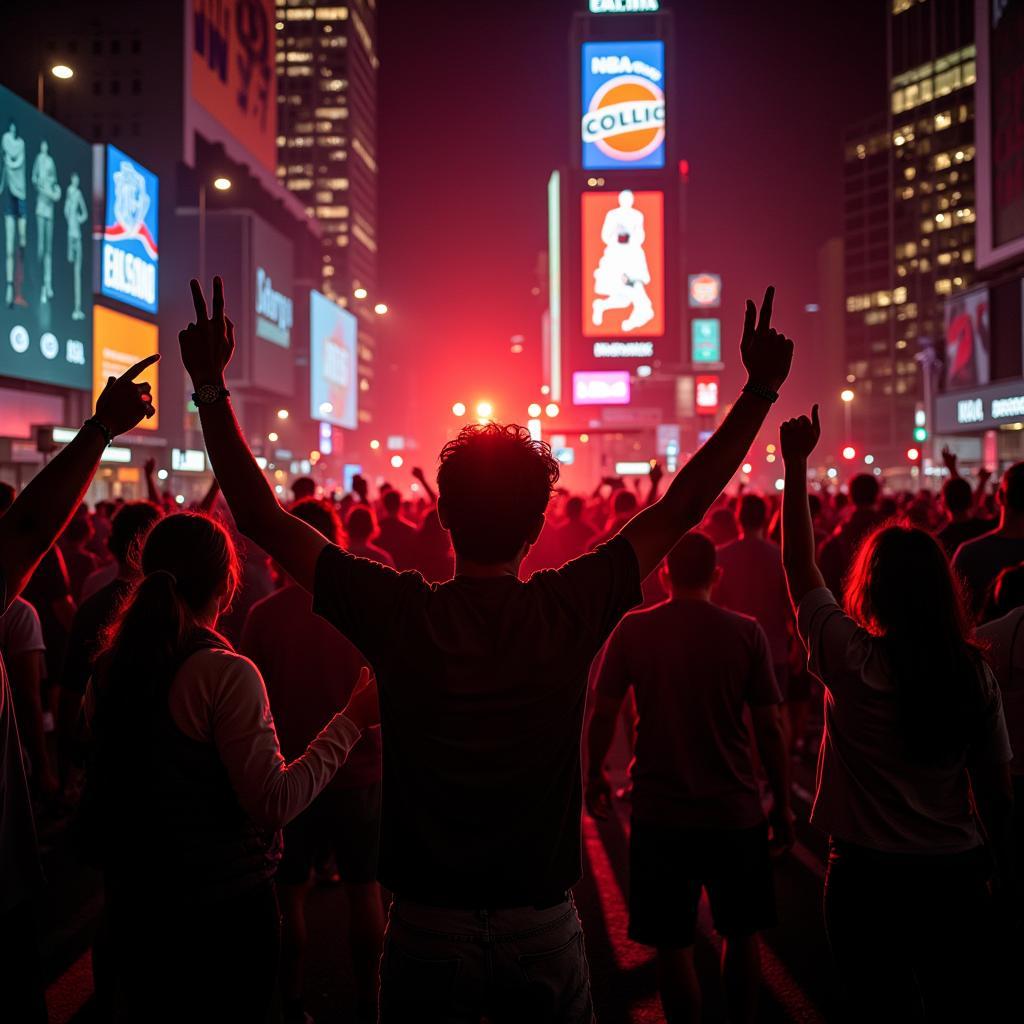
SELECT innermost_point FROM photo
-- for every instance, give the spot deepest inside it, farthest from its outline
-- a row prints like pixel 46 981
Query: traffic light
pixel 849 453
pixel 914 455
pixel 920 434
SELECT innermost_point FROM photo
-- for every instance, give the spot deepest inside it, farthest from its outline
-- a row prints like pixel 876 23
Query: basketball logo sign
pixel 623 92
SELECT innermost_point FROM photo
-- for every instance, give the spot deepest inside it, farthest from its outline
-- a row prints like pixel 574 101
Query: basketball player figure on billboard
pixel 76 213
pixel 44 177
pixel 622 273
pixel 12 189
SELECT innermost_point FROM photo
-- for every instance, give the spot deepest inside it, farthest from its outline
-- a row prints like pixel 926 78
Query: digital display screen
pixel 705 291
pixel 706 341
pixel 967 339
pixel 623 268
pixel 129 253
pixel 706 392
pixel 45 195
pixel 600 387
pixel 1006 58
pixel 333 372
pixel 120 341
pixel 233 75
pixel 622 123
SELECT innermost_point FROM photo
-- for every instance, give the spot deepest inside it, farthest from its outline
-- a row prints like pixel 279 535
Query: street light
pixel 533 410
pixel 359 293
pixel 374 444
pixel 282 414
pixel 396 461
pixel 459 409
pixel 381 308
pixel 484 410
pixel 847 396
pixel 61 71
pixel 552 409
pixel 221 184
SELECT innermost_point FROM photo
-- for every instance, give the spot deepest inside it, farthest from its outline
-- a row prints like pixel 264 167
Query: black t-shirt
pixel 482 689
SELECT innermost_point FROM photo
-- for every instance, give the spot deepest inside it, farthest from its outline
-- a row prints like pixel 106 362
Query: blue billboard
pixel 623 116
pixel 129 255
pixel 333 369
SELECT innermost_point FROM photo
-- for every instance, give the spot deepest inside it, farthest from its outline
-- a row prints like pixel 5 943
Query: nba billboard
pixel 623 268
pixel 333 376
pixel 623 98
pixel 129 254
pixel 45 192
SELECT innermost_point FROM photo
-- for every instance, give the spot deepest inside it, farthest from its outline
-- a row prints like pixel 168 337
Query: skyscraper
pixel 327 149
pixel 909 217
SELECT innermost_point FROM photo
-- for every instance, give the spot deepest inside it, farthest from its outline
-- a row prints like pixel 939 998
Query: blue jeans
pixel 444 966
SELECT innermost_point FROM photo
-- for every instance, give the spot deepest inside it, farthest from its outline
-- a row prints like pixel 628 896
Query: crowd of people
pixel 414 688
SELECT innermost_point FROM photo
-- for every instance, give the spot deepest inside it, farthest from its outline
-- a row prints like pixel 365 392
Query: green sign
pixel 706 340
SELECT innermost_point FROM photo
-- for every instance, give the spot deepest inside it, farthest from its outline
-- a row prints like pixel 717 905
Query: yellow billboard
pixel 120 341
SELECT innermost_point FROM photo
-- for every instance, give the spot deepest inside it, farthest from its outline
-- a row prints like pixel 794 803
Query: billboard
pixel 600 387
pixel 129 251
pixel 705 340
pixel 623 268
pixel 233 75
pixel 45 189
pixel 1006 58
pixel 623 99
pixel 704 291
pixel 120 341
pixel 706 392
pixel 333 372
pixel 967 340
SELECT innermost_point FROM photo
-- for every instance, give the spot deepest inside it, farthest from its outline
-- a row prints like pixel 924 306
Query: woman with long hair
pixel 914 753
pixel 188 789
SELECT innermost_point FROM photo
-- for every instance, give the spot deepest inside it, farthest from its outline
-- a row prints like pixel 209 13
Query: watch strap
pixel 101 427
pixel 761 391
pixel 222 392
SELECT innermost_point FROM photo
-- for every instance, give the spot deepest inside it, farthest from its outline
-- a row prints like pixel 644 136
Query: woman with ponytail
pixel 913 782
pixel 188 789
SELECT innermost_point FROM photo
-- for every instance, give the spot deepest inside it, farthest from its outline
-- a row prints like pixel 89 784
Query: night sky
pixel 473 117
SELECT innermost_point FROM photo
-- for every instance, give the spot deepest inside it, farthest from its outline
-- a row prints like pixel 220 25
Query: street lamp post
pixel 847 396
pixel 61 71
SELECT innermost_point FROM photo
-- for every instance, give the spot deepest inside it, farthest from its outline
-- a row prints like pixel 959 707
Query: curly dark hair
pixel 494 484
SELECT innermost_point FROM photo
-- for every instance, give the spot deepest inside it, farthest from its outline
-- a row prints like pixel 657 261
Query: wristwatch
pixel 207 394
pixel 762 391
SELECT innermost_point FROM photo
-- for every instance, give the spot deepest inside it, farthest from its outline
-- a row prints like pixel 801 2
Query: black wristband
pixel 761 391
pixel 102 427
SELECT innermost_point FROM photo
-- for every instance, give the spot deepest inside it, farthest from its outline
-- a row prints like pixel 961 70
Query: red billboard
pixel 623 269
pixel 706 390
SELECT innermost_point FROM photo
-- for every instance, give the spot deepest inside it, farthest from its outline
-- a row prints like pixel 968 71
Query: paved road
pixel 799 981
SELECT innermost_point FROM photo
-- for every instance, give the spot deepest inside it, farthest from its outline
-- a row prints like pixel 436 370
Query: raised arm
pixel 206 348
pixel 422 477
pixel 767 356
pixel 42 510
pixel 152 491
pixel 798 438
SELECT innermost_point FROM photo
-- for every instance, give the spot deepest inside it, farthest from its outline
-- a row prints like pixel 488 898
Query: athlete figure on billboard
pixel 44 177
pixel 622 273
pixel 12 188
pixel 76 213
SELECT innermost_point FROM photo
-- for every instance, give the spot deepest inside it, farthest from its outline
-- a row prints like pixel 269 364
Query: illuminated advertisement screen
pixel 600 387
pixel 120 341
pixel 705 341
pixel 704 291
pixel 967 340
pixel 1006 57
pixel 706 392
pixel 45 191
pixel 129 253
pixel 623 98
pixel 623 267
pixel 233 75
pixel 333 376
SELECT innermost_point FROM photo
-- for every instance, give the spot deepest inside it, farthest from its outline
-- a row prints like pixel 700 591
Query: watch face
pixel 208 393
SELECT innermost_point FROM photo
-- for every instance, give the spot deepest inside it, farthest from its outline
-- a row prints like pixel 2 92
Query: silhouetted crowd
pixel 412 689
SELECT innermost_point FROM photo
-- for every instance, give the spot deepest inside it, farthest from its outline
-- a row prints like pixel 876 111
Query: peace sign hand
pixel 767 354
pixel 123 404
pixel 207 344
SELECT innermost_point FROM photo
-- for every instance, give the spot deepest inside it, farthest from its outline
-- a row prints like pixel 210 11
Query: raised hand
pixel 123 404
pixel 360 487
pixel 656 474
pixel 419 475
pixel 207 344
pixel 799 436
pixel 949 460
pixel 767 354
